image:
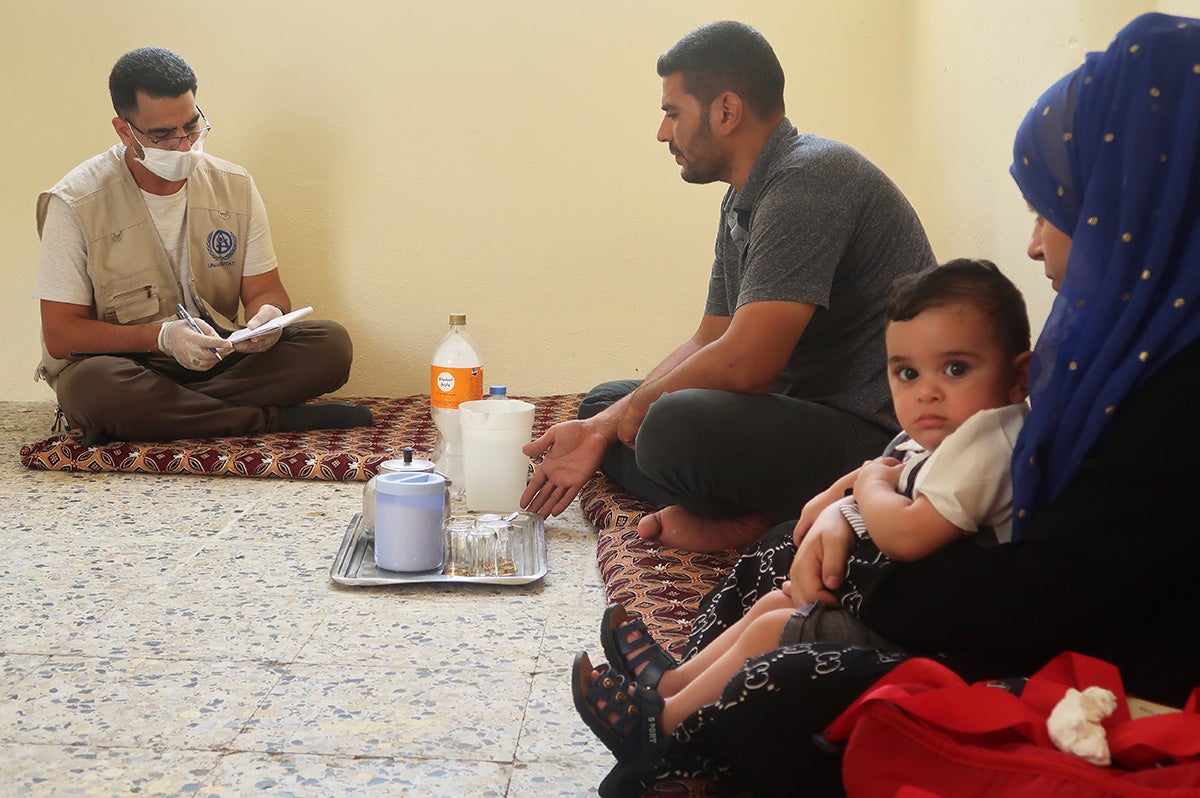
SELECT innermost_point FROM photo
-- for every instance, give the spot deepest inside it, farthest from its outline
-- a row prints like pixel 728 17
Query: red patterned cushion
pixel 661 584
pixel 340 454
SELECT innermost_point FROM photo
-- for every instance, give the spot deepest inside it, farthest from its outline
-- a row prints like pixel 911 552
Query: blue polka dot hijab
pixel 1110 155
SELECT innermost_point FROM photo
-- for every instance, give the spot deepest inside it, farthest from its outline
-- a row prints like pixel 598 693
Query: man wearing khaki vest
pixel 152 225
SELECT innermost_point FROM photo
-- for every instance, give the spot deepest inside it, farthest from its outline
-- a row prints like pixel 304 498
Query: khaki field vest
pixel 132 278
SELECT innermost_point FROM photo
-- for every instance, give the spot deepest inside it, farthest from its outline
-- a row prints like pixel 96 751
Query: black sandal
pixel 630 722
pixel 651 658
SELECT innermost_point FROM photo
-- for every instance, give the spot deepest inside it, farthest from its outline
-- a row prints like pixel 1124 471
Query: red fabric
pixel 922 728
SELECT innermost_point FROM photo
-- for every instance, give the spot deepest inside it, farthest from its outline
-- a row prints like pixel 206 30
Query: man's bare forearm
pixel 69 328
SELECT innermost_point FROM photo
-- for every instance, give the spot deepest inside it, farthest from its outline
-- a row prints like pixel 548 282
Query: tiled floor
pixel 181 636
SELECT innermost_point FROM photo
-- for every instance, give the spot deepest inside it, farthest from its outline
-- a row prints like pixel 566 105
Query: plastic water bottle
pixel 497 392
pixel 455 376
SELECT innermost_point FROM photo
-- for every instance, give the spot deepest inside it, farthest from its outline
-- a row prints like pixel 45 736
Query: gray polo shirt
pixel 818 223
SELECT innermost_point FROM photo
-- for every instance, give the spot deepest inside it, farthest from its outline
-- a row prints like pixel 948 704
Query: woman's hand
pixel 820 563
pixel 834 494
pixel 808 516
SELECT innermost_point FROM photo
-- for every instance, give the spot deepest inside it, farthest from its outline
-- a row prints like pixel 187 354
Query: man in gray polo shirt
pixel 783 386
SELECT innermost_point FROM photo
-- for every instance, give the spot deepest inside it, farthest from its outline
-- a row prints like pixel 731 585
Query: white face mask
pixel 172 165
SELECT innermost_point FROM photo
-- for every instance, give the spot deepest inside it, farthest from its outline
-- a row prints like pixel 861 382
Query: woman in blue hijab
pixel 1109 158
pixel 1106 546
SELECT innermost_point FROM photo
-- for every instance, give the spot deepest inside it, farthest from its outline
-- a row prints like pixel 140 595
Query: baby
pixel 958 367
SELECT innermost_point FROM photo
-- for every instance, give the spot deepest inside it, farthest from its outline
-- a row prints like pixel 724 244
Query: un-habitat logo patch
pixel 222 246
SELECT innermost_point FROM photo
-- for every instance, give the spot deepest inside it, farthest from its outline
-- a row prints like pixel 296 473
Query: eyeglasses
pixel 175 142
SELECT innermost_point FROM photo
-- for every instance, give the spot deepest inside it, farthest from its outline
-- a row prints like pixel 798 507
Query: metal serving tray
pixel 354 563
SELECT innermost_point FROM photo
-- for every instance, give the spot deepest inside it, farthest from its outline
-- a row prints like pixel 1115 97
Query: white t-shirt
pixel 968 478
pixel 62 265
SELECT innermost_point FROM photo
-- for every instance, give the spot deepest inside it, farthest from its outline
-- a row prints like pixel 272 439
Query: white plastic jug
pixel 409 508
pixel 493 432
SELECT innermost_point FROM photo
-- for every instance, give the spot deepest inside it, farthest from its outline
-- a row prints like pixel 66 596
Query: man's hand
pixel 820 563
pixel 192 350
pixel 260 343
pixel 571 452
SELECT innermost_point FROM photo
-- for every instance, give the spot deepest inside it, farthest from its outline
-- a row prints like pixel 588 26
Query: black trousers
pixel 721 454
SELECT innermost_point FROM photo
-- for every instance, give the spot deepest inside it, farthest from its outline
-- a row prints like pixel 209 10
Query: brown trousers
pixel 155 399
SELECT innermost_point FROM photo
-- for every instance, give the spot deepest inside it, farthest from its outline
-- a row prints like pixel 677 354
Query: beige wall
pixel 499 158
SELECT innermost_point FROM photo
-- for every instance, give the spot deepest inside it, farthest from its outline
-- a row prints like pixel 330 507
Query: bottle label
pixel 450 387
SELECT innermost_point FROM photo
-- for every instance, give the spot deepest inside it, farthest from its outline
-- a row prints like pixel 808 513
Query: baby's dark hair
pixel 963 280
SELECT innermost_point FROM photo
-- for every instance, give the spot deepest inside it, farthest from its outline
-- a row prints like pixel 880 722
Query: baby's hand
pixel 884 469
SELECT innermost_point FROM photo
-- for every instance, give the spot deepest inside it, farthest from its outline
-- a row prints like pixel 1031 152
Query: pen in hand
pixel 191 322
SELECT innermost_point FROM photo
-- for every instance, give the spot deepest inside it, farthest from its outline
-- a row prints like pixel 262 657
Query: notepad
pixel 270 327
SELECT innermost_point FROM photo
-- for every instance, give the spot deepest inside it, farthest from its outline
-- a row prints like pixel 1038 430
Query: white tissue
pixel 1074 723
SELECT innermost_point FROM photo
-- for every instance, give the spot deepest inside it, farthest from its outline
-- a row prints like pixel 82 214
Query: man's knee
pixel 603 396
pixel 335 340
pixel 327 347
pixel 681 421
pixel 95 387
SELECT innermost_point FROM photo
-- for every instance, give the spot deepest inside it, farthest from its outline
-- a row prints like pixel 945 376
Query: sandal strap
pixel 651 661
pixel 620 713
pixel 633 714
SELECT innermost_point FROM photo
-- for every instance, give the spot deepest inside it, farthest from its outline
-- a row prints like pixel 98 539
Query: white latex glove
pixel 260 343
pixel 191 349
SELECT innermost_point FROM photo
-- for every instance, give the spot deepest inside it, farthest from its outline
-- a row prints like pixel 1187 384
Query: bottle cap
pixel 498 390
pixel 458 318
